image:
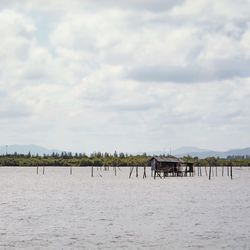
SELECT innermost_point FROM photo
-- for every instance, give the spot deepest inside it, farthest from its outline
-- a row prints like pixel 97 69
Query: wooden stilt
pixel 210 171
pixel 131 171
pixel 136 172
pixel 43 170
pixel 37 170
pixel 144 173
pixel 159 174
pixel 206 170
pixel 231 171
pixel 222 170
pixel 92 171
pixel 215 170
pixel 115 170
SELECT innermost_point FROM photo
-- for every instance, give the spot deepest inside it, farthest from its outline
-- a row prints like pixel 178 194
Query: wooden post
pixel 144 173
pixel 216 170
pixel 206 170
pixel 37 170
pixel 92 171
pixel 227 171
pixel 159 174
pixel 137 171
pixel 222 170
pixel 115 170
pixel 210 170
pixel 231 171
pixel 131 171
pixel 43 170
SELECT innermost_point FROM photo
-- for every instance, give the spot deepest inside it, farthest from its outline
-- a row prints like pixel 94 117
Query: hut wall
pixel 153 164
pixel 166 166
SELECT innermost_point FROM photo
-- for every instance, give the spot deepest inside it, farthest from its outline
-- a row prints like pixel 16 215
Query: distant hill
pixel 203 153
pixel 186 150
pixel 25 149
pixel 210 153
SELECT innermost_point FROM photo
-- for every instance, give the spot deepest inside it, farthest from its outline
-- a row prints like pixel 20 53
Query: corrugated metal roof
pixel 167 159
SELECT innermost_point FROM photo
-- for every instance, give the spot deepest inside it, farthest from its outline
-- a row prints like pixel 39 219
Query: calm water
pixel 62 211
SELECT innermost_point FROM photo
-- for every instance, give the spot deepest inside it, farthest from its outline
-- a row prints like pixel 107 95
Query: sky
pixel 133 76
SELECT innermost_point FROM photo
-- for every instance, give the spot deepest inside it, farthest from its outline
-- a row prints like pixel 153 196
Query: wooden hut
pixel 170 166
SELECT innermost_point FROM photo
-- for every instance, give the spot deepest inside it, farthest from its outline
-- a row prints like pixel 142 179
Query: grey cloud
pixel 192 73
pixel 156 5
pixel 3 93
pixel 36 74
pixel 57 5
pixel 14 110
pixel 12 107
pixel 131 107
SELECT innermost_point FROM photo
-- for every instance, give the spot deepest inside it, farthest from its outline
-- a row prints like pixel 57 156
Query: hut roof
pixel 167 159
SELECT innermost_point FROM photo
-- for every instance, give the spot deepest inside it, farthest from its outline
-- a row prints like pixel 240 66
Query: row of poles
pixel 43 170
pixel 71 170
pixel 104 168
pixel 211 172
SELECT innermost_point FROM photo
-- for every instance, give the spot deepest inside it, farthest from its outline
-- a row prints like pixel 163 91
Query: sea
pixel 59 210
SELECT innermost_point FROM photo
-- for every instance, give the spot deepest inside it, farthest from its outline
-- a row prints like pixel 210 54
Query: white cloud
pixel 104 75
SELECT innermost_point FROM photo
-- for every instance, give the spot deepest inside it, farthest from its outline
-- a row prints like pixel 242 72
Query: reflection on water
pixel 58 210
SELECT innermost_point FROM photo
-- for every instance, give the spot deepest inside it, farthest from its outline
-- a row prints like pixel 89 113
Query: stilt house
pixel 170 166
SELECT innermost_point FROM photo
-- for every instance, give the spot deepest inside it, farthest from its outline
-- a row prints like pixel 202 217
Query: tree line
pixel 107 159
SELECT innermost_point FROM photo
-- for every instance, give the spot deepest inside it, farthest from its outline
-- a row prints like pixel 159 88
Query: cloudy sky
pixel 134 75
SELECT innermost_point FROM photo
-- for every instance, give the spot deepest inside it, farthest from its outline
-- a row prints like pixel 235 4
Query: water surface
pixel 62 211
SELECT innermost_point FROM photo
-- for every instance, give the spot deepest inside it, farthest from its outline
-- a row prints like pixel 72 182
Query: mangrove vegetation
pixel 107 159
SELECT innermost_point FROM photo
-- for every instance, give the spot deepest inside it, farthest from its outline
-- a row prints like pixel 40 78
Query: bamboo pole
pixel 144 173
pixel 131 171
pixel 206 170
pixel 92 171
